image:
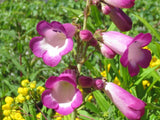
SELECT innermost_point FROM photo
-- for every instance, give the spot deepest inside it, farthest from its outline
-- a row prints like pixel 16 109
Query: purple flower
pixel 121 3
pixel 62 94
pixel 85 35
pixel 85 82
pixel 131 49
pixel 54 42
pixel 120 19
pixel 132 107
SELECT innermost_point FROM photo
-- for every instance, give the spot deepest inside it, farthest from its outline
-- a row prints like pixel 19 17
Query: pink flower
pixel 132 107
pixel 120 19
pixel 54 42
pixel 85 35
pixel 62 94
pixel 131 49
pixel 85 82
pixel 121 3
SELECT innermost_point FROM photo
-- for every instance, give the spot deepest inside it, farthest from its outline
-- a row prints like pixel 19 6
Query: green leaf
pixel 101 101
pixel 11 87
pixel 83 114
pixel 32 112
pixel 148 26
pixel 92 107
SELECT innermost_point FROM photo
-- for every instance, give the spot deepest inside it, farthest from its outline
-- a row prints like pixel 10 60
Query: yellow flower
pixel 33 84
pixel 108 67
pixel 6 112
pixel 90 98
pixel 9 100
pixel 23 91
pixel 20 98
pixel 6 118
pixel 116 81
pixel 25 82
pixel 145 84
pixel 78 119
pixel 39 115
pixel 18 116
pixel 58 118
pixel 27 97
pixel 40 89
pixel 6 107
pixel 154 62
pixel 104 74
pixel 80 88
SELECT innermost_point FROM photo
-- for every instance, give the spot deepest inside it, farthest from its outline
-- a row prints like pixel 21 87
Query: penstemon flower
pixel 62 94
pixel 132 107
pixel 54 42
pixel 131 49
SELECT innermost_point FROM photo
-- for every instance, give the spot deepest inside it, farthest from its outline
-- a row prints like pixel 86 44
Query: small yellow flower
pixel 27 97
pixel 80 88
pixel 90 98
pixel 20 98
pixel 7 118
pixel 24 82
pixel 39 115
pixel 33 84
pixel 145 84
pixel 108 67
pixel 6 107
pixel 18 115
pixel 154 62
pixel 58 118
pixel 40 89
pixel 6 112
pixel 104 74
pixel 9 100
pixel 23 91
pixel 78 119
pixel 116 81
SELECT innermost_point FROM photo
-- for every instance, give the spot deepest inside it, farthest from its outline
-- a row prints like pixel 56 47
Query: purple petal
pixel 146 59
pixel 51 57
pixel 133 69
pixel 120 19
pixel 35 45
pixel 42 27
pixel 106 51
pixel 116 41
pixel 57 26
pixel 124 58
pixel 121 3
pixel 77 100
pixel 51 81
pixel 70 29
pixel 48 101
pixel 64 109
pixel 143 39
pixel 68 46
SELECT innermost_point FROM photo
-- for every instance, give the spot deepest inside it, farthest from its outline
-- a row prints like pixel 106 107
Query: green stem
pixel 73 115
pixel 86 14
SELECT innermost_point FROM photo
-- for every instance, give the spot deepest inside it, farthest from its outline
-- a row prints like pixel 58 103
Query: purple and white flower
pixel 62 94
pixel 55 40
pixel 132 107
pixel 131 49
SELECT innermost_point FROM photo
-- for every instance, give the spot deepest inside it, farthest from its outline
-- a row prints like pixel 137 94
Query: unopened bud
pixel 85 35
pixel 85 82
pixel 98 84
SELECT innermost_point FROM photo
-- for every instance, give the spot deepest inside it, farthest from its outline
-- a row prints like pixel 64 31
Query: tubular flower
pixel 132 107
pixel 120 19
pixel 62 94
pixel 131 49
pixel 121 3
pixel 54 42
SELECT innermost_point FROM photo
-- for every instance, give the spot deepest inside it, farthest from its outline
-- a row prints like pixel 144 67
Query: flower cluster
pixel 63 93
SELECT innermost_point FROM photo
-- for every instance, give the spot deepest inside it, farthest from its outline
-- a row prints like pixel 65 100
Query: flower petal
pixel 51 81
pixel 64 109
pixel 77 100
pixel 116 41
pixel 120 19
pixel 58 27
pixel 133 69
pixel 48 101
pixel 121 3
pixel 143 39
pixel 42 27
pixel 51 57
pixel 35 45
pixel 147 58
pixel 70 29
pixel 124 59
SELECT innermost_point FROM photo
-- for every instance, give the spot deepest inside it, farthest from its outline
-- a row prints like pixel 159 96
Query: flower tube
pixel 54 42
pixel 132 107
pixel 62 94
pixel 131 49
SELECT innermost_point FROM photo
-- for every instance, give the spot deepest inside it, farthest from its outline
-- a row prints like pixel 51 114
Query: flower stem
pixel 86 14
pixel 73 115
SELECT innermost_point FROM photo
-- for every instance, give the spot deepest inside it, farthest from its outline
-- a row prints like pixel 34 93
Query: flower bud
pixel 85 35
pixel 98 84
pixel 105 9
pixel 85 82
pixel 93 42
